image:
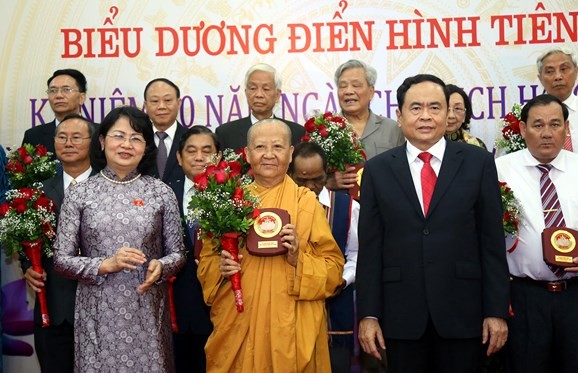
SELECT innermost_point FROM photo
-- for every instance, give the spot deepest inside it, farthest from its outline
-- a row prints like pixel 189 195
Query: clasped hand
pixel 129 258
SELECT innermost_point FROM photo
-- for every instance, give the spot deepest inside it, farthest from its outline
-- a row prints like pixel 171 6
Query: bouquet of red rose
pixel 337 138
pixel 230 155
pixel 511 139
pixel 29 164
pixel 26 225
pixel 225 211
pixel 511 210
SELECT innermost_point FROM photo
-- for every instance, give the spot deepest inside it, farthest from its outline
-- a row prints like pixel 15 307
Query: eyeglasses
pixel 119 138
pixel 75 140
pixel 458 110
pixel 64 90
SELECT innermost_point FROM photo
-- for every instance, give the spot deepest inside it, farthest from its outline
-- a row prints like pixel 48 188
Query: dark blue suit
pixel 192 313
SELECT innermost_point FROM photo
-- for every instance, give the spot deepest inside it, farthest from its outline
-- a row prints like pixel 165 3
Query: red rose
pixel 45 203
pixel 515 127
pixel 323 131
pixel 310 125
pixel 510 118
pixel 19 204
pixel 501 183
pixel 238 195
pixel 26 193
pixel 242 153
pixel 4 208
pixel 327 115
pixel 256 213
pixel 40 150
pixel 15 167
pixel 505 133
pixel 340 120
pixel 22 152
pixel 235 168
pixel 305 138
pixel 210 170
pixel 201 181
pixel 221 176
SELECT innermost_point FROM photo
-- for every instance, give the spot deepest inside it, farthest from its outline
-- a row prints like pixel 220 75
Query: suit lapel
pixel 453 158
pixel 243 129
pixel 172 157
pixel 402 174
pixel 372 125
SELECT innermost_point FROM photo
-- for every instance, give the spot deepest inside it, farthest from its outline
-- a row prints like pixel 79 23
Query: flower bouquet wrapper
pixel 33 250
pixel 172 308
pixel 230 243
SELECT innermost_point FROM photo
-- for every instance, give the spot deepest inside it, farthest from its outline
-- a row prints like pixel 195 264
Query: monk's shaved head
pixel 274 125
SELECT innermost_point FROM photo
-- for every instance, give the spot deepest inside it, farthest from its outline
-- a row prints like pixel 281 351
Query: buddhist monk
pixel 283 327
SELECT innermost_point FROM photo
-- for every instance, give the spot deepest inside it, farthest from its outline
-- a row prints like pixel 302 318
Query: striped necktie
pixel 553 216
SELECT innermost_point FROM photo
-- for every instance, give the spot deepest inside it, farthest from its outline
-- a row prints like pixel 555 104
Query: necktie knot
pixel 425 157
pixel 544 168
pixel 161 135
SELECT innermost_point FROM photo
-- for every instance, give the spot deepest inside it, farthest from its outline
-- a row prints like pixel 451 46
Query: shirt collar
pixel 560 162
pixel 324 197
pixel 171 131
pixel 188 185
pixel 255 120
pixel 66 178
pixel 570 102
pixel 437 150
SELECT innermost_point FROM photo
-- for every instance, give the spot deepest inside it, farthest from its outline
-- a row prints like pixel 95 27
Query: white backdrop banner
pixel 487 47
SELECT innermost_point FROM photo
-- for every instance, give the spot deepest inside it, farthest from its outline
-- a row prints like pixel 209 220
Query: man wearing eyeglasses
pixel 66 94
pixel 55 344
pixel 162 103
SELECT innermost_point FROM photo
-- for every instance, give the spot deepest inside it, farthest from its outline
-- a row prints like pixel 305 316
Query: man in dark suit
pixel 66 94
pixel 263 90
pixel 432 278
pixel 194 148
pixel 162 103
pixel 55 343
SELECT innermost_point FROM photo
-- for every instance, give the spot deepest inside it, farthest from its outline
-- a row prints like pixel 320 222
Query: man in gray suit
pixel 355 82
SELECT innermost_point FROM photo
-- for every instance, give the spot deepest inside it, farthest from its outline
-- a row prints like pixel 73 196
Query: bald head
pixel 271 124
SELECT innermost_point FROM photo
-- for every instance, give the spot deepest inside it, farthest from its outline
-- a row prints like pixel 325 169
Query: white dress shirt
pixel 352 245
pixel 255 120
pixel 519 171
pixel 572 104
pixel 67 179
pixel 188 192
pixel 416 164
pixel 171 132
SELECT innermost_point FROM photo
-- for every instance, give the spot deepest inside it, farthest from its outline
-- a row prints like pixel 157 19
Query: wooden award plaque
pixel 264 237
pixel 559 246
pixel 354 191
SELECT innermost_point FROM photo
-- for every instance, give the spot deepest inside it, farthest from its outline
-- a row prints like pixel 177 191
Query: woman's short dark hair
pixel 141 123
pixel 467 103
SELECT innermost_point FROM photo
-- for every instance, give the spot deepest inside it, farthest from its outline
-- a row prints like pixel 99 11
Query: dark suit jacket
pixel 60 291
pixel 173 171
pixel 192 312
pixel 450 265
pixel 234 134
pixel 41 135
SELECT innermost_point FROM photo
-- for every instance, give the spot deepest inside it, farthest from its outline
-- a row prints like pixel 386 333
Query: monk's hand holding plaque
pixel 266 236
pixel 559 246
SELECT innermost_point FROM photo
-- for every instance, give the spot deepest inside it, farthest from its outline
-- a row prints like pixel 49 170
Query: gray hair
pixel 285 128
pixel 551 51
pixel 370 72
pixel 267 68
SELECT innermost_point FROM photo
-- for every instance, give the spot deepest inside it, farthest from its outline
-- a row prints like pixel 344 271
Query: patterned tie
pixel 553 216
pixel 568 143
pixel 162 153
pixel 428 180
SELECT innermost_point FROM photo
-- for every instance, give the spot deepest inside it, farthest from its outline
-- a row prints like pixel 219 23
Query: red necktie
pixel 428 180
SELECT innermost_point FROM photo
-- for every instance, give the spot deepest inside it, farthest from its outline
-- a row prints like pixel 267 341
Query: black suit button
pixel 425 232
